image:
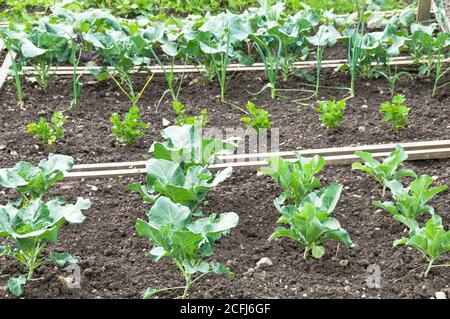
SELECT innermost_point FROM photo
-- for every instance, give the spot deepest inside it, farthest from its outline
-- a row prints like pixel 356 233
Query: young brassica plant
pixel 33 182
pixel 173 233
pixel 31 228
pixel 387 170
pixel 48 133
pixel 186 144
pixel 130 128
pixel 310 223
pixel 167 178
pixel 258 118
pixel 297 179
pixel 411 201
pixel 432 241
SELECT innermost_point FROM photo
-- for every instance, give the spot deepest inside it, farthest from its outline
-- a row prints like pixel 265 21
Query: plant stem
pixel 188 285
pixel 305 254
pixel 430 265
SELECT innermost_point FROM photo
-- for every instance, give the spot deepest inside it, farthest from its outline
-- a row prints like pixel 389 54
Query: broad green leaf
pixel 61 259
pixel 15 285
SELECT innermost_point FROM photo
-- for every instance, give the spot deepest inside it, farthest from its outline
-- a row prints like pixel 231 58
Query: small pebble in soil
pixel 264 263
pixel 343 263
pixel 2 147
pixel 165 122
pixel 440 295
pixel 361 129
pixel 364 106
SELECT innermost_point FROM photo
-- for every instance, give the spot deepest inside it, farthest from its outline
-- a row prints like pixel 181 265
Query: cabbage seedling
pixel 432 240
pixel 411 201
pixel 310 223
pixel 173 234
pixel 387 170
pixel 31 228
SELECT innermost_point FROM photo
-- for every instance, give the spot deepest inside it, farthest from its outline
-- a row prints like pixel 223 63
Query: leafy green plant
pixel 412 201
pixel 168 178
pixel 396 112
pixel 186 145
pixel 31 228
pixel 198 121
pixel 310 223
pixel 258 118
pixel 331 112
pixel 387 170
pixel 48 133
pixel 297 179
pixel 130 128
pixel 432 240
pixel 174 234
pixel 33 182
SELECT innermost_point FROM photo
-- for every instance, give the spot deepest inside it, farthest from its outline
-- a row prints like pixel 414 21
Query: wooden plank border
pixel 68 71
pixel 334 156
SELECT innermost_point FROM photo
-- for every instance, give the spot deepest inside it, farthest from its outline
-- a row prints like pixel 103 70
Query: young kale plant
pixel 168 178
pixel 33 182
pixel 432 241
pixel 29 223
pixel 199 121
pixel 186 145
pixel 331 112
pixel 310 223
pixel 173 233
pixel 258 118
pixel 387 170
pixel 411 202
pixel 130 128
pixel 297 179
pixel 396 112
pixel 31 228
pixel 48 133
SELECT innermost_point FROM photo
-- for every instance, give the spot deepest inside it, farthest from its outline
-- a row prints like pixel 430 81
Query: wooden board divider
pixel 230 68
pixel 334 156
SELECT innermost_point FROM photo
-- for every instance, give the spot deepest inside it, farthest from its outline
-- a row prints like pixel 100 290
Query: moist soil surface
pixel 113 261
pixel 88 129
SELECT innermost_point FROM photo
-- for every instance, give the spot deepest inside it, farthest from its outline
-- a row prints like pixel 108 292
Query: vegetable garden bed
pixel 299 125
pixel 114 264
pixel 387 83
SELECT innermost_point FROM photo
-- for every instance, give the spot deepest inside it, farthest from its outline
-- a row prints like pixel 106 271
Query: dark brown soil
pixel 114 264
pixel 87 133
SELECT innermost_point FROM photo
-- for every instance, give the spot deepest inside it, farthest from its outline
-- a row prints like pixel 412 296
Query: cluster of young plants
pixel 34 219
pixel 129 129
pixel 268 33
pixel 305 206
pixel 396 112
pixel 410 203
pixel 199 121
pixel 331 112
pixel 257 118
pixel 48 133
pixel 178 181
